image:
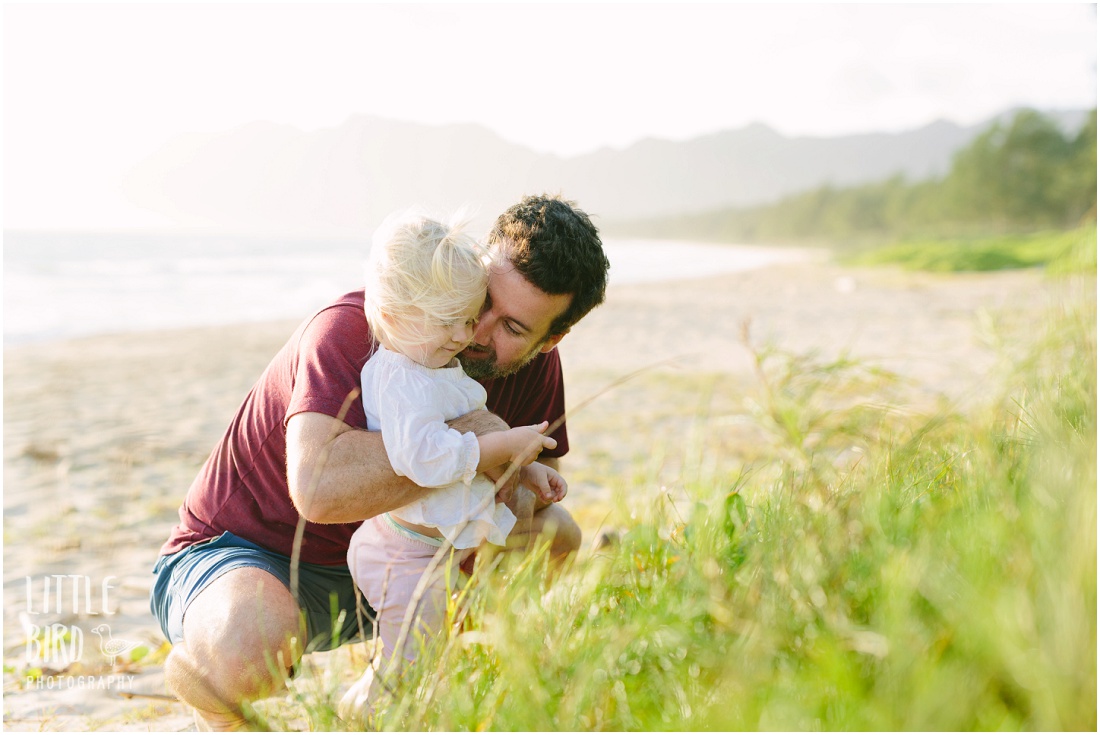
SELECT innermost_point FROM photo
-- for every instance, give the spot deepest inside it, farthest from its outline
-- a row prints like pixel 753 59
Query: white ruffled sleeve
pixel 418 441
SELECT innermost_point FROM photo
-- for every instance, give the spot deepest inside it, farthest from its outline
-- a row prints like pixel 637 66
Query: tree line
pixel 1023 175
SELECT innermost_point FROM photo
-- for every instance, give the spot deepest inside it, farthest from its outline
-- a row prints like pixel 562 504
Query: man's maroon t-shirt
pixel 242 488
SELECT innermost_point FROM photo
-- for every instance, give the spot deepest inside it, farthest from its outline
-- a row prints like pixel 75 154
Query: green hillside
pixel 1018 178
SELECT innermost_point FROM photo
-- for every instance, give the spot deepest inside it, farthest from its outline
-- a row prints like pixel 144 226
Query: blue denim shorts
pixel 326 594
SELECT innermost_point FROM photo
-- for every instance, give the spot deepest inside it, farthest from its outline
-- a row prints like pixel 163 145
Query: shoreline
pixel 112 295
pixel 103 434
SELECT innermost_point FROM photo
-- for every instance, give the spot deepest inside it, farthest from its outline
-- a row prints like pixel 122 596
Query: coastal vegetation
pixel 1023 177
pixel 870 568
pixel 1071 251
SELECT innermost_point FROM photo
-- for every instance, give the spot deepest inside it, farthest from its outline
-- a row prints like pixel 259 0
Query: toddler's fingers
pixel 542 487
pixel 560 489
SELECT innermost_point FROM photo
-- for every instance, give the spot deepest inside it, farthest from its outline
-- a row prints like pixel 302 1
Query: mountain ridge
pixel 342 180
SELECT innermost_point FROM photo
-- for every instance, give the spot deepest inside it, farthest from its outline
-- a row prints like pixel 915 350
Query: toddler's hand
pixel 529 441
pixel 544 482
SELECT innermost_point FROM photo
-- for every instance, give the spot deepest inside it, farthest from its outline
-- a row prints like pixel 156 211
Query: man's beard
pixel 486 368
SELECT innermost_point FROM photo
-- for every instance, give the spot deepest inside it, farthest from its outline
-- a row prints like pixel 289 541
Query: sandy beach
pixel 103 435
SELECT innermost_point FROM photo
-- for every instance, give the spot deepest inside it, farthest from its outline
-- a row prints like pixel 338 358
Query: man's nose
pixel 483 329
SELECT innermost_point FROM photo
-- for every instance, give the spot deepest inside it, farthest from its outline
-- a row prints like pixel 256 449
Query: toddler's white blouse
pixel 410 404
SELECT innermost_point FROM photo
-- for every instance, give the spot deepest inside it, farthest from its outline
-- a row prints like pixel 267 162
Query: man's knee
pixel 564 533
pixel 241 636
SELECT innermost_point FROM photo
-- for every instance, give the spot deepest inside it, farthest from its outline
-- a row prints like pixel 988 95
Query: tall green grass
pixel 883 571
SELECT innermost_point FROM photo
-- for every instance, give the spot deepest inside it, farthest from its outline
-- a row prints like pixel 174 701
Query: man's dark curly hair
pixel 555 246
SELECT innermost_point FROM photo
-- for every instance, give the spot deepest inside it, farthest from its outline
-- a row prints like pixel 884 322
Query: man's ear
pixel 552 341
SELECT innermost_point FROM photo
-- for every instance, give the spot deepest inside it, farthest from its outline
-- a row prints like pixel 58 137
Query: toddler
pixel 426 285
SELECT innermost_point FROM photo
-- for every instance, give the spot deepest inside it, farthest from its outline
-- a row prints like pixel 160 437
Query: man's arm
pixel 338 474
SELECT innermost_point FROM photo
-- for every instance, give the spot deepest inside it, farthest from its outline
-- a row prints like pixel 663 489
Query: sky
pixel 89 90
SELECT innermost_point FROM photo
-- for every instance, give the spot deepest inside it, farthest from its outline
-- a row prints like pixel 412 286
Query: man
pixel 264 530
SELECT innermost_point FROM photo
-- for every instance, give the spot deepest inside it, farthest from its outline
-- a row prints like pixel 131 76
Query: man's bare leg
pixel 555 522
pixel 236 647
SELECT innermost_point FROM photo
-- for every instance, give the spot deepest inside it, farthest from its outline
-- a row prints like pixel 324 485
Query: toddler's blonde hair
pixel 422 274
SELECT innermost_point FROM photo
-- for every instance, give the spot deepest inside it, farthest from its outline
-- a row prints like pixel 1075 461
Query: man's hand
pixel 507 480
pixel 522 505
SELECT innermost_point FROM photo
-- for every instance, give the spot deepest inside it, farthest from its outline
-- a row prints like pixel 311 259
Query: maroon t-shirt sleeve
pixel 331 352
pixel 242 486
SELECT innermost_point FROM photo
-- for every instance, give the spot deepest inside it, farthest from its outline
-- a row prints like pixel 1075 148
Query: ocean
pixel 59 286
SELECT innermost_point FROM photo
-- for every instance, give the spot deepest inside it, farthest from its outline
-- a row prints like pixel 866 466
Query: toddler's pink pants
pixel 387 562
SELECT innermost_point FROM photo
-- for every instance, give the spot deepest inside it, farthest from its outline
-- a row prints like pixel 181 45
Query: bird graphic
pixel 110 647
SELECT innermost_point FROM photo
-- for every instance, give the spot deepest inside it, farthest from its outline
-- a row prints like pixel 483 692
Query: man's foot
pixel 221 722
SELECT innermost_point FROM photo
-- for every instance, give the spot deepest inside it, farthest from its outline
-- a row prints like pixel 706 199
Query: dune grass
pixel 880 571
pixel 1071 251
